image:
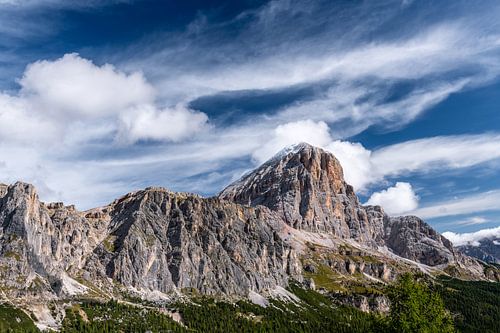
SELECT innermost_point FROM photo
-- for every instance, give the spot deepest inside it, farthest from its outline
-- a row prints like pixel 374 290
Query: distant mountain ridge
pixel 488 250
pixel 293 218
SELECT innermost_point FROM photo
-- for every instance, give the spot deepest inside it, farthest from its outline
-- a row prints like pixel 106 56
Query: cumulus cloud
pixel 397 199
pixel 19 125
pixel 355 161
pixel 473 238
pixel 74 86
pixel 59 97
pixel 363 167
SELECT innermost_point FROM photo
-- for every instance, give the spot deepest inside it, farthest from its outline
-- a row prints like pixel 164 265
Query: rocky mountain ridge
pixel 293 218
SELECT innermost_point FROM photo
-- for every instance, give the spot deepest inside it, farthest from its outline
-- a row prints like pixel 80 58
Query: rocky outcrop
pixel 153 240
pixel 39 243
pixel 412 238
pixel 306 186
pixel 293 218
pixel 165 241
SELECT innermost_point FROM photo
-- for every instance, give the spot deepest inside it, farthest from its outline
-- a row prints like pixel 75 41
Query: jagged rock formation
pixel 306 186
pixel 293 218
pixel 39 243
pixel 412 238
pixel 165 241
pixel 152 240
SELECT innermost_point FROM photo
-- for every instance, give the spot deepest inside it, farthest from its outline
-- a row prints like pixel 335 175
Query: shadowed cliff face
pixel 152 240
pixel 163 241
pixel 306 187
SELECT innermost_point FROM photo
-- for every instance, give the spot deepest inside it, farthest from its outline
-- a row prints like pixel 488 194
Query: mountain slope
pixel 293 218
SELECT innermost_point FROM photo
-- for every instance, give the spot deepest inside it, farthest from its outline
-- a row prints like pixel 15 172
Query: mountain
pixel 306 187
pixel 487 250
pixel 292 219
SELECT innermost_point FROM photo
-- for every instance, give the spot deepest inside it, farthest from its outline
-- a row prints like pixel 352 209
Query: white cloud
pixel 315 133
pixel 148 123
pixel 355 161
pixel 72 110
pixel 442 152
pixel 473 238
pixel 74 86
pixel 480 202
pixel 19 125
pixel 363 167
pixel 474 220
pixel 395 200
pixel 71 100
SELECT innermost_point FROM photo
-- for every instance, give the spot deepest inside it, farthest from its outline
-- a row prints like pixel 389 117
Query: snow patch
pixel 258 299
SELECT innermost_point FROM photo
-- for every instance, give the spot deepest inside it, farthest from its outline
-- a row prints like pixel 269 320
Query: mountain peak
pixel 306 185
pixel 296 149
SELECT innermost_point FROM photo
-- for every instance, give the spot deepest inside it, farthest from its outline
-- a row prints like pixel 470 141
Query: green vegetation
pixel 93 317
pixel 12 254
pixel 415 308
pixel 314 313
pixel 418 306
pixel 475 305
pixel 13 320
pixel 109 243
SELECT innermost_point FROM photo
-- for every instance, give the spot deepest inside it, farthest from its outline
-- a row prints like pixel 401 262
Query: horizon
pixel 104 97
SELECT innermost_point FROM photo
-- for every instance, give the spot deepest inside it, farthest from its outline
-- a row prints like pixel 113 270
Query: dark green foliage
pixel 475 304
pixel 415 308
pixel 116 317
pixel 315 313
pixel 13 320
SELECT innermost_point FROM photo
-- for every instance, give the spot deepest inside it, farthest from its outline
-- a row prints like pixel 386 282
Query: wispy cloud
pixel 480 202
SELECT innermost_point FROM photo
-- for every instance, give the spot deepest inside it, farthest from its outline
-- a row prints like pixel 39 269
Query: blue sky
pixel 98 98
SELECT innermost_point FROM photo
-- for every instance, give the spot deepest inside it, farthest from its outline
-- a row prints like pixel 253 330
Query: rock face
pixel 293 217
pixel 306 186
pixel 412 238
pixel 39 243
pixel 148 240
pixel 166 241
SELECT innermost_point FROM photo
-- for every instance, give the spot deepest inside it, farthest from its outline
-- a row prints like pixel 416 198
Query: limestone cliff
pixel 306 186
pixel 294 217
